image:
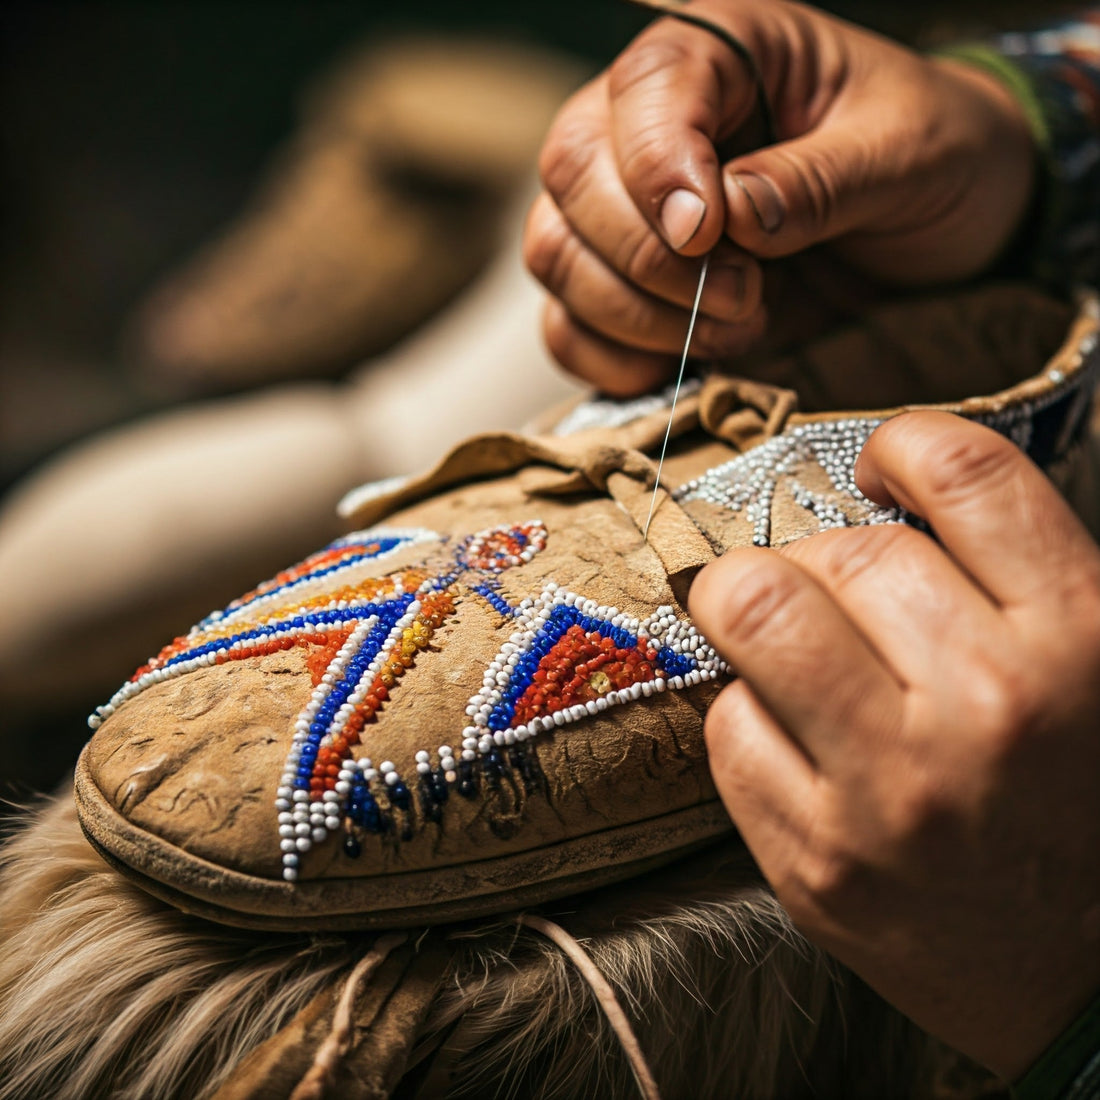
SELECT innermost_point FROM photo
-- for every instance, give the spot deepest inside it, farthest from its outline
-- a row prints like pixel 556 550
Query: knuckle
pixel 638 321
pixel 851 555
pixel 830 878
pixel 820 188
pixel 650 57
pixel 1003 708
pixel 547 245
pixel 763 594
pixel 968 462
pixel 820 191
pixel 642 258
pixel 567 153
pixel 816 191
pixel 645 161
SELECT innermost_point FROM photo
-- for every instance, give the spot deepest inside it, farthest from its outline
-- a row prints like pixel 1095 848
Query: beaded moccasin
pixel 490 694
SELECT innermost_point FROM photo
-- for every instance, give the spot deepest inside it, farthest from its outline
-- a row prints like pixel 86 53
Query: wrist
pixel 1069 1067
pixel 1006 151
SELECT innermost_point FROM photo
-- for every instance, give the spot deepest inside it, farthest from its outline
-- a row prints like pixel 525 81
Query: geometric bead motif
pixel 323 787
pixel 270 618
pixel 359 639
pixel 566 659
pixel 570 659
pixel 748 482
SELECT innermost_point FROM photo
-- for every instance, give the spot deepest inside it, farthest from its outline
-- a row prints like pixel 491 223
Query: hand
pixel 911 170
pixel 912 751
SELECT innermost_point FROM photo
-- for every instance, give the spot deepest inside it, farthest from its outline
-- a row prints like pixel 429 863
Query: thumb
pixel 672 94
pixel 815 188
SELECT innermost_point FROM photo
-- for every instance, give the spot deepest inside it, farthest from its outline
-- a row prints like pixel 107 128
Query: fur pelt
pixel 106 992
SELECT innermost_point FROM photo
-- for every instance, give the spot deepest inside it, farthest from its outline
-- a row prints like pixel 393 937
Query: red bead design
pixel 500 548
pixel 582 667
pixel 435 608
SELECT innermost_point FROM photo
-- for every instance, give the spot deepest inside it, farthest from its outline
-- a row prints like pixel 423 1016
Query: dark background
pixel 131 132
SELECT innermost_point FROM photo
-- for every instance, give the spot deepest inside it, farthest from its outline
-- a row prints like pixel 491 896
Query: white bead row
pixel 238 609
pixel 662 628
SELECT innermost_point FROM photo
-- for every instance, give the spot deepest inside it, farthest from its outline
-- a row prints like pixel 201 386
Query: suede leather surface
pixel 177 786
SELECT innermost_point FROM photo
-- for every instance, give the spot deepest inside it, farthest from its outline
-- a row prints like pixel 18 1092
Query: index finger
pixel 992 508
pixel 675 92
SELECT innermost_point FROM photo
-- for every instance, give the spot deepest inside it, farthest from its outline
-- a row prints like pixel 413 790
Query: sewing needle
pixel 676 393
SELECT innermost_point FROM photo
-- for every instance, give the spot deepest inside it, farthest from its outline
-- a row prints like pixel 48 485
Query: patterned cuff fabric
pixel 1070 1069
pixel 1055 74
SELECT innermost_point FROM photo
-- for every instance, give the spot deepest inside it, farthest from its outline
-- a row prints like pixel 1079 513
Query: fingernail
pixel 765 200
pixel 681 215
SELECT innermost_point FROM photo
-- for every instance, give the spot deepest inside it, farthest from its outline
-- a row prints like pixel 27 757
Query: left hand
pixel 912 751
pixel 894 169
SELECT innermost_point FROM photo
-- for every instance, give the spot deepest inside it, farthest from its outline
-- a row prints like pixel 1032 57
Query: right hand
pixel 911 170
pixel 910 749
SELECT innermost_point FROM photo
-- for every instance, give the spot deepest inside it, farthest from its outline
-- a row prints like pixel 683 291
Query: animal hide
pixel 108 992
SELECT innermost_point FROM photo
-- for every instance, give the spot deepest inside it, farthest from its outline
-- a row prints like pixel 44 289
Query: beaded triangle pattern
pixel 1041 427
pixel 749 481
pixel 566 659
pixel 571 658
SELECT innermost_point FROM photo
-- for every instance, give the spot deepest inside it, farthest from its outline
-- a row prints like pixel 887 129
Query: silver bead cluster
pixel 605 412
pixel 748 482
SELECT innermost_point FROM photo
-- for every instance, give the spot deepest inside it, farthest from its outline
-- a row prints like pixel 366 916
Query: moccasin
pixel 490 694
pixel 386 202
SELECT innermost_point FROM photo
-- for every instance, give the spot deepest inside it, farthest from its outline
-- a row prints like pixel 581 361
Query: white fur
pixel 106 992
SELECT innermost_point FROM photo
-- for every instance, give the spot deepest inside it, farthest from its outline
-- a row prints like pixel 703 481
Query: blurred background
pixel 131 134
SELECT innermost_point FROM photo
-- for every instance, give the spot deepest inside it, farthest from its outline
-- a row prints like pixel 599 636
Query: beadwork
pixel 570 658
pixel 501 548
pixel 748 483
pixel 567 658
pixel 604 658
pixel 261 622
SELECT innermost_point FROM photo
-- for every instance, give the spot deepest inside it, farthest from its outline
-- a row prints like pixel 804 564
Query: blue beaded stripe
pixel 387 615
pixel 557 623
pixel 369 550
pixel 495 600
pixel 353 614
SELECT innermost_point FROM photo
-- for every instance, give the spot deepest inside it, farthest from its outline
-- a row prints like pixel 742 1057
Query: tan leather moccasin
pixel 490 693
